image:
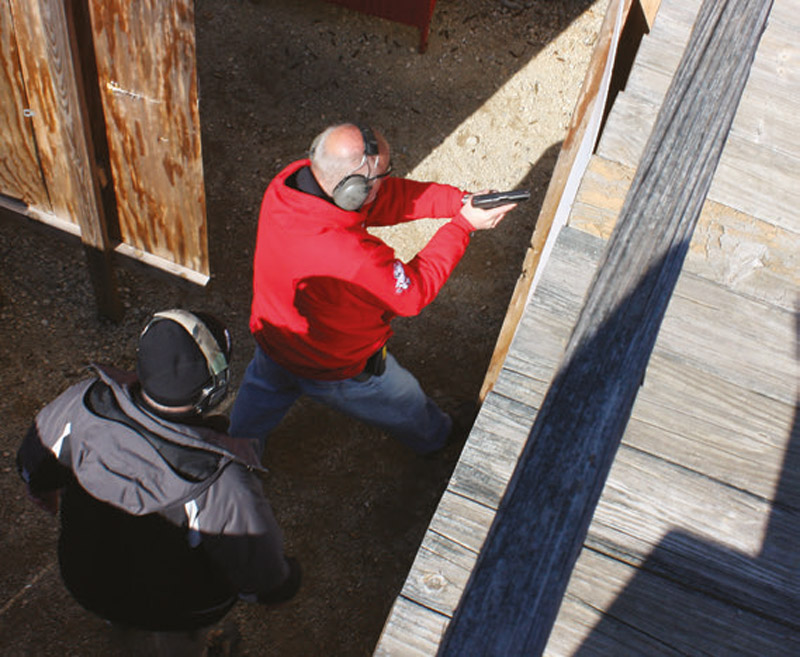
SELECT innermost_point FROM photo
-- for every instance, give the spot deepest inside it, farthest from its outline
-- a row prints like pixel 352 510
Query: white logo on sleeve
pixel 401 281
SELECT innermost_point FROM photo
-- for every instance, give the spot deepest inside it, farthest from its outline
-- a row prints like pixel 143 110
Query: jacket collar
pixel 314 211
pixel 197 437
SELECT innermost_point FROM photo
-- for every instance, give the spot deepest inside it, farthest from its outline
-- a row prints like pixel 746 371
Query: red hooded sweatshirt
pixel 325 290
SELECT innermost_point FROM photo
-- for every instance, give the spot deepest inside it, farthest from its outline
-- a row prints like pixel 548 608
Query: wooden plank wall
pixel 73 71
pixel 58 119
pixel 20 176
pixel 147 74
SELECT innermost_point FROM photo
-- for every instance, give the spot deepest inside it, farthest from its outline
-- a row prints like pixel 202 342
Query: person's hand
pixel 484 219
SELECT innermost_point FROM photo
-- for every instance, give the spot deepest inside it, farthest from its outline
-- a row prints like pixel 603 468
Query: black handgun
pixel 495 199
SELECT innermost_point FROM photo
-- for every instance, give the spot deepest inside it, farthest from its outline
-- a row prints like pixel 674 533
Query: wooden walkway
pixel 693 548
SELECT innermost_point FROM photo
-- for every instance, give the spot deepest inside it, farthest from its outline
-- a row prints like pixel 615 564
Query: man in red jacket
pixel 325 290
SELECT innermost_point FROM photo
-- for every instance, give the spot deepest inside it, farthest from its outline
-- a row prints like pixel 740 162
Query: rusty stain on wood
pixel 20 176
pixel 58 121
pixel 148 82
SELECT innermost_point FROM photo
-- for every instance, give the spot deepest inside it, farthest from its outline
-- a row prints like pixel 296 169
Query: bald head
pixel 338 152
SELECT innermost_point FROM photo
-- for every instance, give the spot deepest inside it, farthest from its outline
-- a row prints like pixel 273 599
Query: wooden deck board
pixel 745 254
pixel 771 92
pixel 741 340
pixel 726 429
pixel 757 174
pixel 411 631
pixel 491 452
pixel 737 338
pixel 692 548
pixel 440 573
pixel 647 498
pixel 701 459
pixel 721 430
pixel 709 534
pixel 462 520
pixel 655 615
pixel 753 178
pixel 582 629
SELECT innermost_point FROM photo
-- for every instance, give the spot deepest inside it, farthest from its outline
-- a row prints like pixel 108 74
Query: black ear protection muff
pixel 216 360
pixel 353 190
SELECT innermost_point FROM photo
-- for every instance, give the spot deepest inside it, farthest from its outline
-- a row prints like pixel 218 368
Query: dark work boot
pixel 289 588
pixel 463 417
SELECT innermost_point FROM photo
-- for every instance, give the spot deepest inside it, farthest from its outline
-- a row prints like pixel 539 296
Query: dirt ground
pixel 485 107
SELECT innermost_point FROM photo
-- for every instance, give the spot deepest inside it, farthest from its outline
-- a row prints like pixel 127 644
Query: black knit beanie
pixel 170 365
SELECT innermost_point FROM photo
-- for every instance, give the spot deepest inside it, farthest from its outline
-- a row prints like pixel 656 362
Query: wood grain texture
pixel 757 171
pixel 737 250
pixel 462 520
pixel 521 574
pixel 147 76
pixel 708 535
pixel 647 613
pixel 688 496
pixel 700 406
pixel 584 630
pixel 490 455
pixel 692 547
pixel 58 118
pixel 20 175
pixel 440 573
pixel 411 630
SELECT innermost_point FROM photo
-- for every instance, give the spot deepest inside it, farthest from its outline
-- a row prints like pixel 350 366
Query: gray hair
pixel 330 167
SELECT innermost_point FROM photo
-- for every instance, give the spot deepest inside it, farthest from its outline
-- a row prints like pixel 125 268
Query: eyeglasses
pixel 389 169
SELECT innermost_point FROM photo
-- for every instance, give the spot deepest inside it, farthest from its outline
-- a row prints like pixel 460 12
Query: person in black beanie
pixel 164 523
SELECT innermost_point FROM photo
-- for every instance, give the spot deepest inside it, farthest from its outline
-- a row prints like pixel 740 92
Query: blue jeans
pixel 393 402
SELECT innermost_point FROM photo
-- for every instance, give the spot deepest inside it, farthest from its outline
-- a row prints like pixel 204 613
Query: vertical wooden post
pixel 512 598
pixel 99 256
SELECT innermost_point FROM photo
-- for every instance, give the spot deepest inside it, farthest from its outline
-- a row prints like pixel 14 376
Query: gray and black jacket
pixel 163 525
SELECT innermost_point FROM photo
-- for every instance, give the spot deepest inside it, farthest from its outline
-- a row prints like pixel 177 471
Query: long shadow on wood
pixel 515 589
pixel 693 597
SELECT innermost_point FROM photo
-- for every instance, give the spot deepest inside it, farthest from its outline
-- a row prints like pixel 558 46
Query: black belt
pixel 376 365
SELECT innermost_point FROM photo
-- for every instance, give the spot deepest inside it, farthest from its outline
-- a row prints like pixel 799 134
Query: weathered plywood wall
pixel 147 75
pixel 92 86
pixel 57 115
pixel 20 176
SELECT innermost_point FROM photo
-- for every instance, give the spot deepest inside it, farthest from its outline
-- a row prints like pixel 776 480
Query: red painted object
pixel 416 13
